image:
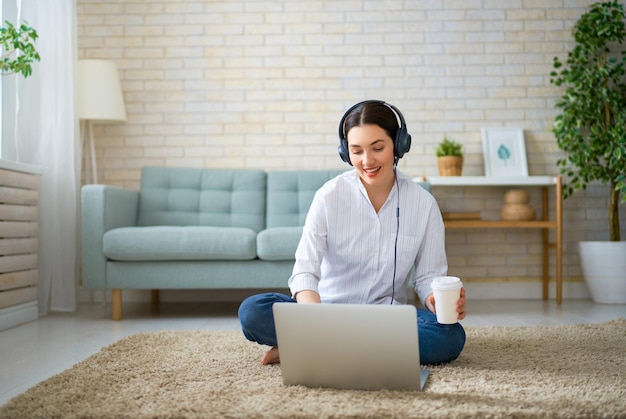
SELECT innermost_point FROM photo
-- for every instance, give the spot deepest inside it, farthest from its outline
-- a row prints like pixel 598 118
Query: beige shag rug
pixel 576 371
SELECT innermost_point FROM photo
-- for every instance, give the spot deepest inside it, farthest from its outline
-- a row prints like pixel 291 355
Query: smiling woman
pixel 371 154
pixel 376 137
pixel 367 231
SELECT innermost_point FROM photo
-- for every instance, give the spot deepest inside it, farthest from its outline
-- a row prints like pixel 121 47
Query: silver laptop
pixel 349 346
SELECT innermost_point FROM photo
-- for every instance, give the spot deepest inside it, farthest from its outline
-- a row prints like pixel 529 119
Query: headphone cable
pixel 395 246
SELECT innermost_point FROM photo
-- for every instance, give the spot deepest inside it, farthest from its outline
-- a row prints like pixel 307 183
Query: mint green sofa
pixel 190 228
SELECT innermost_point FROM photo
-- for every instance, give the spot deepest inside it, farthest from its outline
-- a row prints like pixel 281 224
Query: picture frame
pixel 504 152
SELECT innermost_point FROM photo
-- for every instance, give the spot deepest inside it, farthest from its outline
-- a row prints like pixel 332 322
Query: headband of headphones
pixel 401 142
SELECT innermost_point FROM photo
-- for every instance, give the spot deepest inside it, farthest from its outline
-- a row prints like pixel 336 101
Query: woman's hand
pixel 460 304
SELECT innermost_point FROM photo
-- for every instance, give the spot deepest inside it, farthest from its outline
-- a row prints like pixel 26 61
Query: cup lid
pixel 445 283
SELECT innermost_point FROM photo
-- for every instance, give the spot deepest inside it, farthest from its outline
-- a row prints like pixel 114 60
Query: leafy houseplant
pixel 448 147
pixel 449 157
pixel 591 130
pixel 18 49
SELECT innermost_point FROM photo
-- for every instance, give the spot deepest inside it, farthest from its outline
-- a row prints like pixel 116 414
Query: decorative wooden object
pixel 516 206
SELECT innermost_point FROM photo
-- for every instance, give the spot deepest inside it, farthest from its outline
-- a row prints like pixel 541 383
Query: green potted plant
pixel 18 49
pixel 449 157
pixel 591 130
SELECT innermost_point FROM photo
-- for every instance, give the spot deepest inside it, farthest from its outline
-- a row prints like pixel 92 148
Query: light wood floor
pixel 35 351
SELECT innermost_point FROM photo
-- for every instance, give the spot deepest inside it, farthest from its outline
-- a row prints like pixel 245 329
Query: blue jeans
pixel 437 342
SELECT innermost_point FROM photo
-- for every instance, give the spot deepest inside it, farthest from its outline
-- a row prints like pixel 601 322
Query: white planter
pixel 604 269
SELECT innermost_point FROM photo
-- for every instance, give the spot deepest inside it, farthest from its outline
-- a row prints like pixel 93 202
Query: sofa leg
pixel 116 304
pixel 154 296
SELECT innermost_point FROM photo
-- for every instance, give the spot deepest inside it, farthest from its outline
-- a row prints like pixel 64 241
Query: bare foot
pixel 271 357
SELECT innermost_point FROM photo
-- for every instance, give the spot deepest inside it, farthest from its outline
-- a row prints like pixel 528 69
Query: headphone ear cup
pixel 343 151
pixel 402 143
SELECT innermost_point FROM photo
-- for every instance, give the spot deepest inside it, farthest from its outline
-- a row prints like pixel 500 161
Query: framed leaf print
pixel 504 152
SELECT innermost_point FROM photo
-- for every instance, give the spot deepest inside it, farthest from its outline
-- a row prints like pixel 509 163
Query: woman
pixel 365 232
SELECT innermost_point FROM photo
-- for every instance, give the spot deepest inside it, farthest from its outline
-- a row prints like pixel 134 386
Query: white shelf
pixel 489 180
pixel 544 223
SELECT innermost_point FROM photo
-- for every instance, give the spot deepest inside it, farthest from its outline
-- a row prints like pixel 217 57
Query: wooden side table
pixel 544 223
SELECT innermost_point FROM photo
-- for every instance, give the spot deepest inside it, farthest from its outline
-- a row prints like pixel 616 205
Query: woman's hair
pixel 372 113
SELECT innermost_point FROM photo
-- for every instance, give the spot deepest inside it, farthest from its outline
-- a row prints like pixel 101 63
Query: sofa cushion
pixel 290 193
pixel 179 243
pixel 179 196
pixel 278 243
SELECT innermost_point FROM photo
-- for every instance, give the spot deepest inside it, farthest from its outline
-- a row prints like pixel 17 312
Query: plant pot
pixel 450 165
pixel 604 270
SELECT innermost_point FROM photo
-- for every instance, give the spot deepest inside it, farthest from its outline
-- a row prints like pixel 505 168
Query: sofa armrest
pixel 104 208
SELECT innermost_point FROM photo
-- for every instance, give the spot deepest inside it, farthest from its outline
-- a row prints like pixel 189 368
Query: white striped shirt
pixel 346 252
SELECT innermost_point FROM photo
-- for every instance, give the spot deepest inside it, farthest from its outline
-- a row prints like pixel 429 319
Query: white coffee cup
pixel 447 291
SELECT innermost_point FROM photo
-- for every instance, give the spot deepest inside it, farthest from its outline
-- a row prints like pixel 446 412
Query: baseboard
pixel 475 291
pixel 18 314
pixel 524 291
pixel 173 296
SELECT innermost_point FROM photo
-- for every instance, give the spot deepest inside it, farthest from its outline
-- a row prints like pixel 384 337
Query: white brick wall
pixel 263 84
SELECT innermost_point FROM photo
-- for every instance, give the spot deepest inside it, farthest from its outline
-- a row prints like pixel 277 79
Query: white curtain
pixel 46 135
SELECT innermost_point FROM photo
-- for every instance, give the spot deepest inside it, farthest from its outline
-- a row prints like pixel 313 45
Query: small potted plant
pixel 18 49
pixel 591 130
pixel 449 157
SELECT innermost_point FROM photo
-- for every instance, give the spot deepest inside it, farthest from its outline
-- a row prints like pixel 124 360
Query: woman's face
pixel 371 153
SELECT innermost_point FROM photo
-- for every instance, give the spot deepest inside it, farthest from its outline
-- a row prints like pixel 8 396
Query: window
pixel 8 11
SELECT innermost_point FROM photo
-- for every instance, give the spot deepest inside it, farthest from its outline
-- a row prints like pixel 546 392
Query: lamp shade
pixel 99 92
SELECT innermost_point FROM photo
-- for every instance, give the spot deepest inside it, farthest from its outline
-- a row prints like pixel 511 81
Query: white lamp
pixel 99 100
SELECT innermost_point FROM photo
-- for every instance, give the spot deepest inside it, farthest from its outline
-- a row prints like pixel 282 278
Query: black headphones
pixel 401 143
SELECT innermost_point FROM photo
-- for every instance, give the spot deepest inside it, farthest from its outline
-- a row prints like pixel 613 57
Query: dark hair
pixel 374 113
